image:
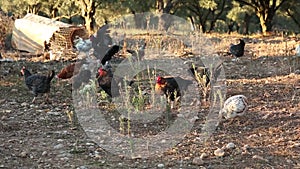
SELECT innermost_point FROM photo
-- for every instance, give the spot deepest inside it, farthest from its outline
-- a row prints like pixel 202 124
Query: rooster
pixel 106 79
pixel 234 106
pixel 169 86
pixel 37 83
pixel 237 50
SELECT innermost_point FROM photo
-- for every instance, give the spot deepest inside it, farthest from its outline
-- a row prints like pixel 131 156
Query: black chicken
pixel 110 53
pixel 237 50
pixel 169 86
pixel 37 83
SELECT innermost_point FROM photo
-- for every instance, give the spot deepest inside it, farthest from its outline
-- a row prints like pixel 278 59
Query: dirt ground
pixel 40 135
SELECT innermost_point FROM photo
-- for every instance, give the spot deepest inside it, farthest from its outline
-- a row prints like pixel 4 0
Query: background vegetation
pixel 243 16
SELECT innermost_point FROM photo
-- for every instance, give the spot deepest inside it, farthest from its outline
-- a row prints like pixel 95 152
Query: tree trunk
pixel 88 10
pixel 164 8
pixel 265 23
pixel 247 19
pixel 230 27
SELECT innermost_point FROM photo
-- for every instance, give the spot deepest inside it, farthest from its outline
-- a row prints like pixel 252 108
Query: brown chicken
pixel 70 70
pixel 170 86
pixel 37 83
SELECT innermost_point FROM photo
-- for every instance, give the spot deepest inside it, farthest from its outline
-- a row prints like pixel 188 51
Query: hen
pixel 237 50
pixel 170 86
pixel 234 106
pixel 37 83
pixel 69 70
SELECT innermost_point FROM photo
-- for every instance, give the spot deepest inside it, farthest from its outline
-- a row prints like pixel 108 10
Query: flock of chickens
pixel 168 86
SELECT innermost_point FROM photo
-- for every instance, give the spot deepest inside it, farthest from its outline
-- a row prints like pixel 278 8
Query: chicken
pixel 234 106
pixel 82 77
pixel 139 54
pixel 237 50
pixel 170 86
pixel 106 80
pixel 110 53
pixel 81 44
pixel 47 46
pixel 201 74
pixel 70 70
pixel 37 83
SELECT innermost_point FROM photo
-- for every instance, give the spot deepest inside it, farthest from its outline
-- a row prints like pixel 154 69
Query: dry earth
pixel 41 135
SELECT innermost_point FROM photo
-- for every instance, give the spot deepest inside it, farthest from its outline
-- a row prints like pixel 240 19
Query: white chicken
pixel 234 106
pixel 82 45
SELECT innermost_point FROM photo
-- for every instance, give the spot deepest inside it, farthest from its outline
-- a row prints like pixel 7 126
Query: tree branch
pixel 281 3
pixel 246 3
pixel 65 16
pixel 293 17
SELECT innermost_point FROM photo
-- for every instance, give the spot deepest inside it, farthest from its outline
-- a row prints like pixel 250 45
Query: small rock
pixel 23 154
pixel 160 165
pixel 54 113
pixel 230 145
pixel 24 104
pixel 58 146
pixel 198 161
pixel 2 101
pixel 44 153
pixel 246 147
pixel 82 167
pixel 8 111
pixel 203 155
pixel 60 140
pixel 260 158
pixel 33 106
pixel 219 152
pixel 14 90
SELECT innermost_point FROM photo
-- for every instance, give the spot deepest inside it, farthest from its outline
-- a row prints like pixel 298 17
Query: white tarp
pixel 30 32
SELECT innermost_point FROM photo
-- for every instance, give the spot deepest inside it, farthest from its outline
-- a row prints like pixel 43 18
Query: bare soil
pixel 40 135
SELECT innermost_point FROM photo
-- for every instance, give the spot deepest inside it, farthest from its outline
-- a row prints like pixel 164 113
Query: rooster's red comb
pixel 158 79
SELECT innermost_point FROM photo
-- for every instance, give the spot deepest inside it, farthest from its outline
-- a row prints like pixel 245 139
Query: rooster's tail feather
pixel 51 75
